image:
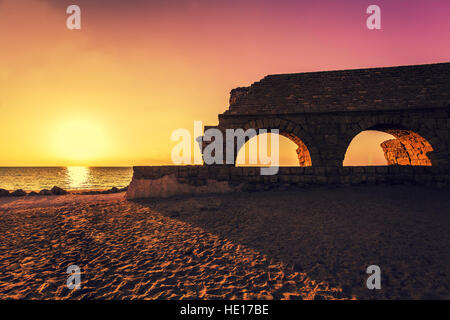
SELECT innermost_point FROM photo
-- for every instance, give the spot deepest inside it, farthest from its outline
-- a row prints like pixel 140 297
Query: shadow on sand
pixel 335 234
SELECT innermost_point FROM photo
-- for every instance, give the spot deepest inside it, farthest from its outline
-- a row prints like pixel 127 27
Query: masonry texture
pixel 323 111
pixel 167 181
pixel 395 152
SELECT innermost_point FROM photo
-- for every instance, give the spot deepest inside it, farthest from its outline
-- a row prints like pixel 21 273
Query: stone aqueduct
pixel 322 112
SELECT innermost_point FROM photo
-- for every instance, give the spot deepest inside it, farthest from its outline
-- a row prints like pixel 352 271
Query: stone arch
pixel 307 153
pixel 409 148
pixel 413 144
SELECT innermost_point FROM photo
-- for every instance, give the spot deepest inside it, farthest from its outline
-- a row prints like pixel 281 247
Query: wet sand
pixel 301 244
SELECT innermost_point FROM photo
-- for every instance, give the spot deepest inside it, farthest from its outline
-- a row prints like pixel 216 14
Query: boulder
pixel 114 190
pixel 4 193
pixel 19 193
pixel 58 191
pixel 45 192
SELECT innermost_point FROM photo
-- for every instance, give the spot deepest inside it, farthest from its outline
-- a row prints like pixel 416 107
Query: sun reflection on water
pixel 78 176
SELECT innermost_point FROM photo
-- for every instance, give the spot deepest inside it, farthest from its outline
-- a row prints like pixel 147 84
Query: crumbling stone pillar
pixel 416 147
pixel 395 152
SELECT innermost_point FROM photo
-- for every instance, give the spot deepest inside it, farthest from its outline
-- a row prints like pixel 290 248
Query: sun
pixel 79 140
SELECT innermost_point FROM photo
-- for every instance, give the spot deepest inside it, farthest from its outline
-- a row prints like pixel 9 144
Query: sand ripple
pixel 304 244
pixel 129 251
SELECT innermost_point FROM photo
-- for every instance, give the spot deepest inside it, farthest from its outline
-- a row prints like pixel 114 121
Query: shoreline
pixel 5 193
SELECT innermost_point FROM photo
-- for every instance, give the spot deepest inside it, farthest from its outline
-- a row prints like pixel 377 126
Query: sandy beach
pixel 297 244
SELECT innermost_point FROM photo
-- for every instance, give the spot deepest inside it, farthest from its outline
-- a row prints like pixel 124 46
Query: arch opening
pixel 388 146
pixel 291 150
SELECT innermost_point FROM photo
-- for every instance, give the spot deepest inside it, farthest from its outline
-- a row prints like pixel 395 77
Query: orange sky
pixel 113 92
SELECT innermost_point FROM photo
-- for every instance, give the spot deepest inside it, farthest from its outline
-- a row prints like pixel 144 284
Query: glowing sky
pixel 113 92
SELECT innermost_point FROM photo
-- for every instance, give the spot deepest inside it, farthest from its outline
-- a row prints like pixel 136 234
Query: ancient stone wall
pixel 374 89
pixel 328 135
pixel 322 112
pixel 166 181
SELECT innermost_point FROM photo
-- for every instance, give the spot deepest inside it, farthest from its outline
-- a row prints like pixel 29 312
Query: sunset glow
pixel 113 92
pixel 77 176
pixel 365 149
pixel 226 155
pixel 80 140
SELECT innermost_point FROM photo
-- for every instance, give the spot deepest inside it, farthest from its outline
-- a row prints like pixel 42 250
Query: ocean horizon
pixel 69 178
